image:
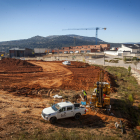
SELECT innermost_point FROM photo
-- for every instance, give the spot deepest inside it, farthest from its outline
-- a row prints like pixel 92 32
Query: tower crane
pixel 97 28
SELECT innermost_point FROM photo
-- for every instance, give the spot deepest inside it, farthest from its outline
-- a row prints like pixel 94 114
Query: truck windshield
pixel 55 107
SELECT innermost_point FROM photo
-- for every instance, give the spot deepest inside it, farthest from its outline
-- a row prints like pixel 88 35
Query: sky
pixel 23 19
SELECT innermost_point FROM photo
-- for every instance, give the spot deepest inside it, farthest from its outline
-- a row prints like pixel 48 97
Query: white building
pixel 125 48
pixel 133 48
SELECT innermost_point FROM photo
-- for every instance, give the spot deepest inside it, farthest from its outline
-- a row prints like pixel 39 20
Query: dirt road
pixel 53 74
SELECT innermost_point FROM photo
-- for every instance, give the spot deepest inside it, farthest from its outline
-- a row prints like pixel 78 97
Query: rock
pixel 116 124
pixel 34 92
pixel 138 128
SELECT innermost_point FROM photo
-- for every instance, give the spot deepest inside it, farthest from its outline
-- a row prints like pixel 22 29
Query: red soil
pixel 51 75
pixel 84 76
pixel 9 65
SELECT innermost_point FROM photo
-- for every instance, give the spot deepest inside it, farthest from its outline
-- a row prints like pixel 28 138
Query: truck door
pixel 70 111
pixel 62 113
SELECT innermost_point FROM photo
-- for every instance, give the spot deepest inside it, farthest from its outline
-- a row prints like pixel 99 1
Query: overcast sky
pixel 22 19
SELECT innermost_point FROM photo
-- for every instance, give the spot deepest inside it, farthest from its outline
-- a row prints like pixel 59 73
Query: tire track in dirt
pixel 55 73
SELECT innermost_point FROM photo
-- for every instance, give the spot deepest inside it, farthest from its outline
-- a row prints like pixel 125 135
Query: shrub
pixel 135 63
pixel 119 75
pixel 124 60
pixel 130 98
pixel 134 58
pixel 129 70
pixel 113 61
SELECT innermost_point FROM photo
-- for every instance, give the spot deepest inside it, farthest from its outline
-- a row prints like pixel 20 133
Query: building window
pixel 88 51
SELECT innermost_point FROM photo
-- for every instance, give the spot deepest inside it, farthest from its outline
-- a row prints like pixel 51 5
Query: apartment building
pixel 73 49
pixel 84 48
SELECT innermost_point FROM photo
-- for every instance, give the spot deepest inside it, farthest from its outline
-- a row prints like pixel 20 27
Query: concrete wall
pixel 134 50
pixel 130 54
pixel 126 53
pixel 30 58
pixel 40 50
pixel 61 58
pixel 111 52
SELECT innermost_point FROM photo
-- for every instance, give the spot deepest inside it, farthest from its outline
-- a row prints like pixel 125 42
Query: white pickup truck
pixel 62 110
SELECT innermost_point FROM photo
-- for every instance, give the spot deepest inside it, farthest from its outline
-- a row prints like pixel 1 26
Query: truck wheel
pixel 53 120
pixel 77 116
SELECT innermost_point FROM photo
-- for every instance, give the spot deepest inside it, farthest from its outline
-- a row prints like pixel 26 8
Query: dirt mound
pixel 11 65
pixel 15 62
pixel 79 64
pixel 84 76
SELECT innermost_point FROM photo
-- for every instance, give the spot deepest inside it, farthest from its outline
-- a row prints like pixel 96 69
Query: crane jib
pixel 97 28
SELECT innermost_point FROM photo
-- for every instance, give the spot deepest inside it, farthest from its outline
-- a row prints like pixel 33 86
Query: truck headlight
pixel 47 115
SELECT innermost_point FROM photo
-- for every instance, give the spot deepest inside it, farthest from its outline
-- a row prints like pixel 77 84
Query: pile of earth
pixel 85 76
pixel 18 66
pixel 15 62
pixel 79 64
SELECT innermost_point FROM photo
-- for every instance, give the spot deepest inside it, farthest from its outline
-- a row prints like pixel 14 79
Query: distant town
pixel 39 47
pixel 131 49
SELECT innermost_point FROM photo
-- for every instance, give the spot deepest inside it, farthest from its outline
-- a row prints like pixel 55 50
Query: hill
pixel 56 41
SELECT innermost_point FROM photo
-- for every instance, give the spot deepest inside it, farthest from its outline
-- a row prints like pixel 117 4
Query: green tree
pixel 129 70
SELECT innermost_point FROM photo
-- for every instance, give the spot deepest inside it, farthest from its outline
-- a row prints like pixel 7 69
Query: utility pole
pixel 104 59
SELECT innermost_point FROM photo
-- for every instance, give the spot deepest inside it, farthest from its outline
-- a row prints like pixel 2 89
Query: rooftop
pixel 61 104
pixel 17 49
pixel 132 46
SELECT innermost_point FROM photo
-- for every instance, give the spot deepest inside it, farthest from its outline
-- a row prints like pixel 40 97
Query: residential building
pixel 73 49
pixel 86 48
pixel 133 48
pixel 125 49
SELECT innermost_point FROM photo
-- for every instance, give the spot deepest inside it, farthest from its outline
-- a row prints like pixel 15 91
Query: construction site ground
pixel 49 75
pixel 27 88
